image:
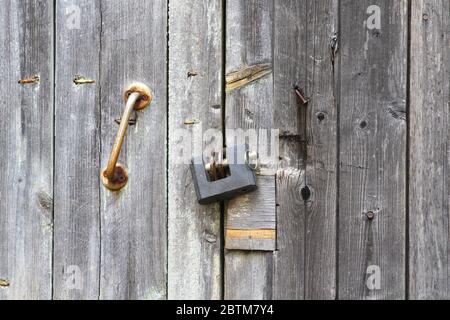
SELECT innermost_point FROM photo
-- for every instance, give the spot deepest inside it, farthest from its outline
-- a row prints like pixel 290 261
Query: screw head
pixel 370 215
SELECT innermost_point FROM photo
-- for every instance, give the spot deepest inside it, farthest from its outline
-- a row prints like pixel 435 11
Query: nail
pixel 82 80
pixel 370 215
pixel 300 95
pixel 4 283
pixel 192 73
pixel 191 122
pixel 32 80
pixel 131 122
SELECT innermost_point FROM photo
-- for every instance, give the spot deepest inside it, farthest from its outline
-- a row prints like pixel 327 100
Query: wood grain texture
pixel 26 143
pixel 342 156
pixel 429 156
pixel 195 108
pixel 373 74
pixel 308 142
pixel 248 275
pixel 289 266
pixel 254 212
pixel 134 220
pixel 248 42
pixel 77 149
pixel 321 157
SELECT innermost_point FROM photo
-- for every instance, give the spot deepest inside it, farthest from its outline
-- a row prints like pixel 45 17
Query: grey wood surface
pixel 242 216
pixel 372 143
pixel 321 151
pixel 290 62
pixel 26 144
pixel 195 108
pixel 361 179
pixel 251 218
pixel 308 141
pixel 289 259
pixel 248 41
pixel 248 275
pixel 76 272
pixel 429 155
pixel 134 220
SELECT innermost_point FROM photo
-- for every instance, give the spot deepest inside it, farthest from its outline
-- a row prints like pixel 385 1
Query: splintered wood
pixel 246 75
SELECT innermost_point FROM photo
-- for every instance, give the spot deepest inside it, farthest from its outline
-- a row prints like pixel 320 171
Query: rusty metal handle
pixel 114 177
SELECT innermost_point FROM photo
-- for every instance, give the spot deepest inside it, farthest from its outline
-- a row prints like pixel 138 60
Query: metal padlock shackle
pixel 138 96
pixel 249 156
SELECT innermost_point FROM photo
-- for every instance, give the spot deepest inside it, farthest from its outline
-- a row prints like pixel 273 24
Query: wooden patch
pixel 251 219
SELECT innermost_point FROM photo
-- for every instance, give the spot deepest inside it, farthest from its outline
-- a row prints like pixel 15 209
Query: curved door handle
pixel 114 177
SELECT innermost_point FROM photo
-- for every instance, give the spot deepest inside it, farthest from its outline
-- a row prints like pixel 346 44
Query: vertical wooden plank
pixel 26 142
pixel 289 265
pixel 429 150
pixel 248 275
pixel 304 58
pixel 372 150
pixel 134 220
pixel 77 149
pixel 320 191
pixel 195 107
pixel 290 70
pixel 248 42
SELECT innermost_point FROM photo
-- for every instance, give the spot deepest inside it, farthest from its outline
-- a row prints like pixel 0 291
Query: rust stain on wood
pixel 246 75
pixel 255 233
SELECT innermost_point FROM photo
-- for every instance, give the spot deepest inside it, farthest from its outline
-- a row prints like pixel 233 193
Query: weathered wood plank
pixel 373 67
pixel 322 140
pixel 134 220
pixel 248 275
pixel 26 143
pixel 429 155
pixel 251 218
pixel 308 142
pixel 195 106
pixel 241 211
pixel 77 150
pixel 289 265
pixel 290 70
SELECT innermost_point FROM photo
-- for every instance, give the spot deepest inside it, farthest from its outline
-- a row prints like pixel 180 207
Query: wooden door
pixel 358 196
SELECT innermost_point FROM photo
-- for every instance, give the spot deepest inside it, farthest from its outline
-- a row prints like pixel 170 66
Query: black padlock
pixel 240 177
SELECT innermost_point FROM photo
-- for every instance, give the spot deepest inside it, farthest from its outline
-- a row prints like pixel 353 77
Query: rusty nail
pixel 370 215
pixel 4 283
pixel 131 122
pixel 191 122
pixel 82 80
pixel 300 95
pixel 34 79
pixel 192 73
